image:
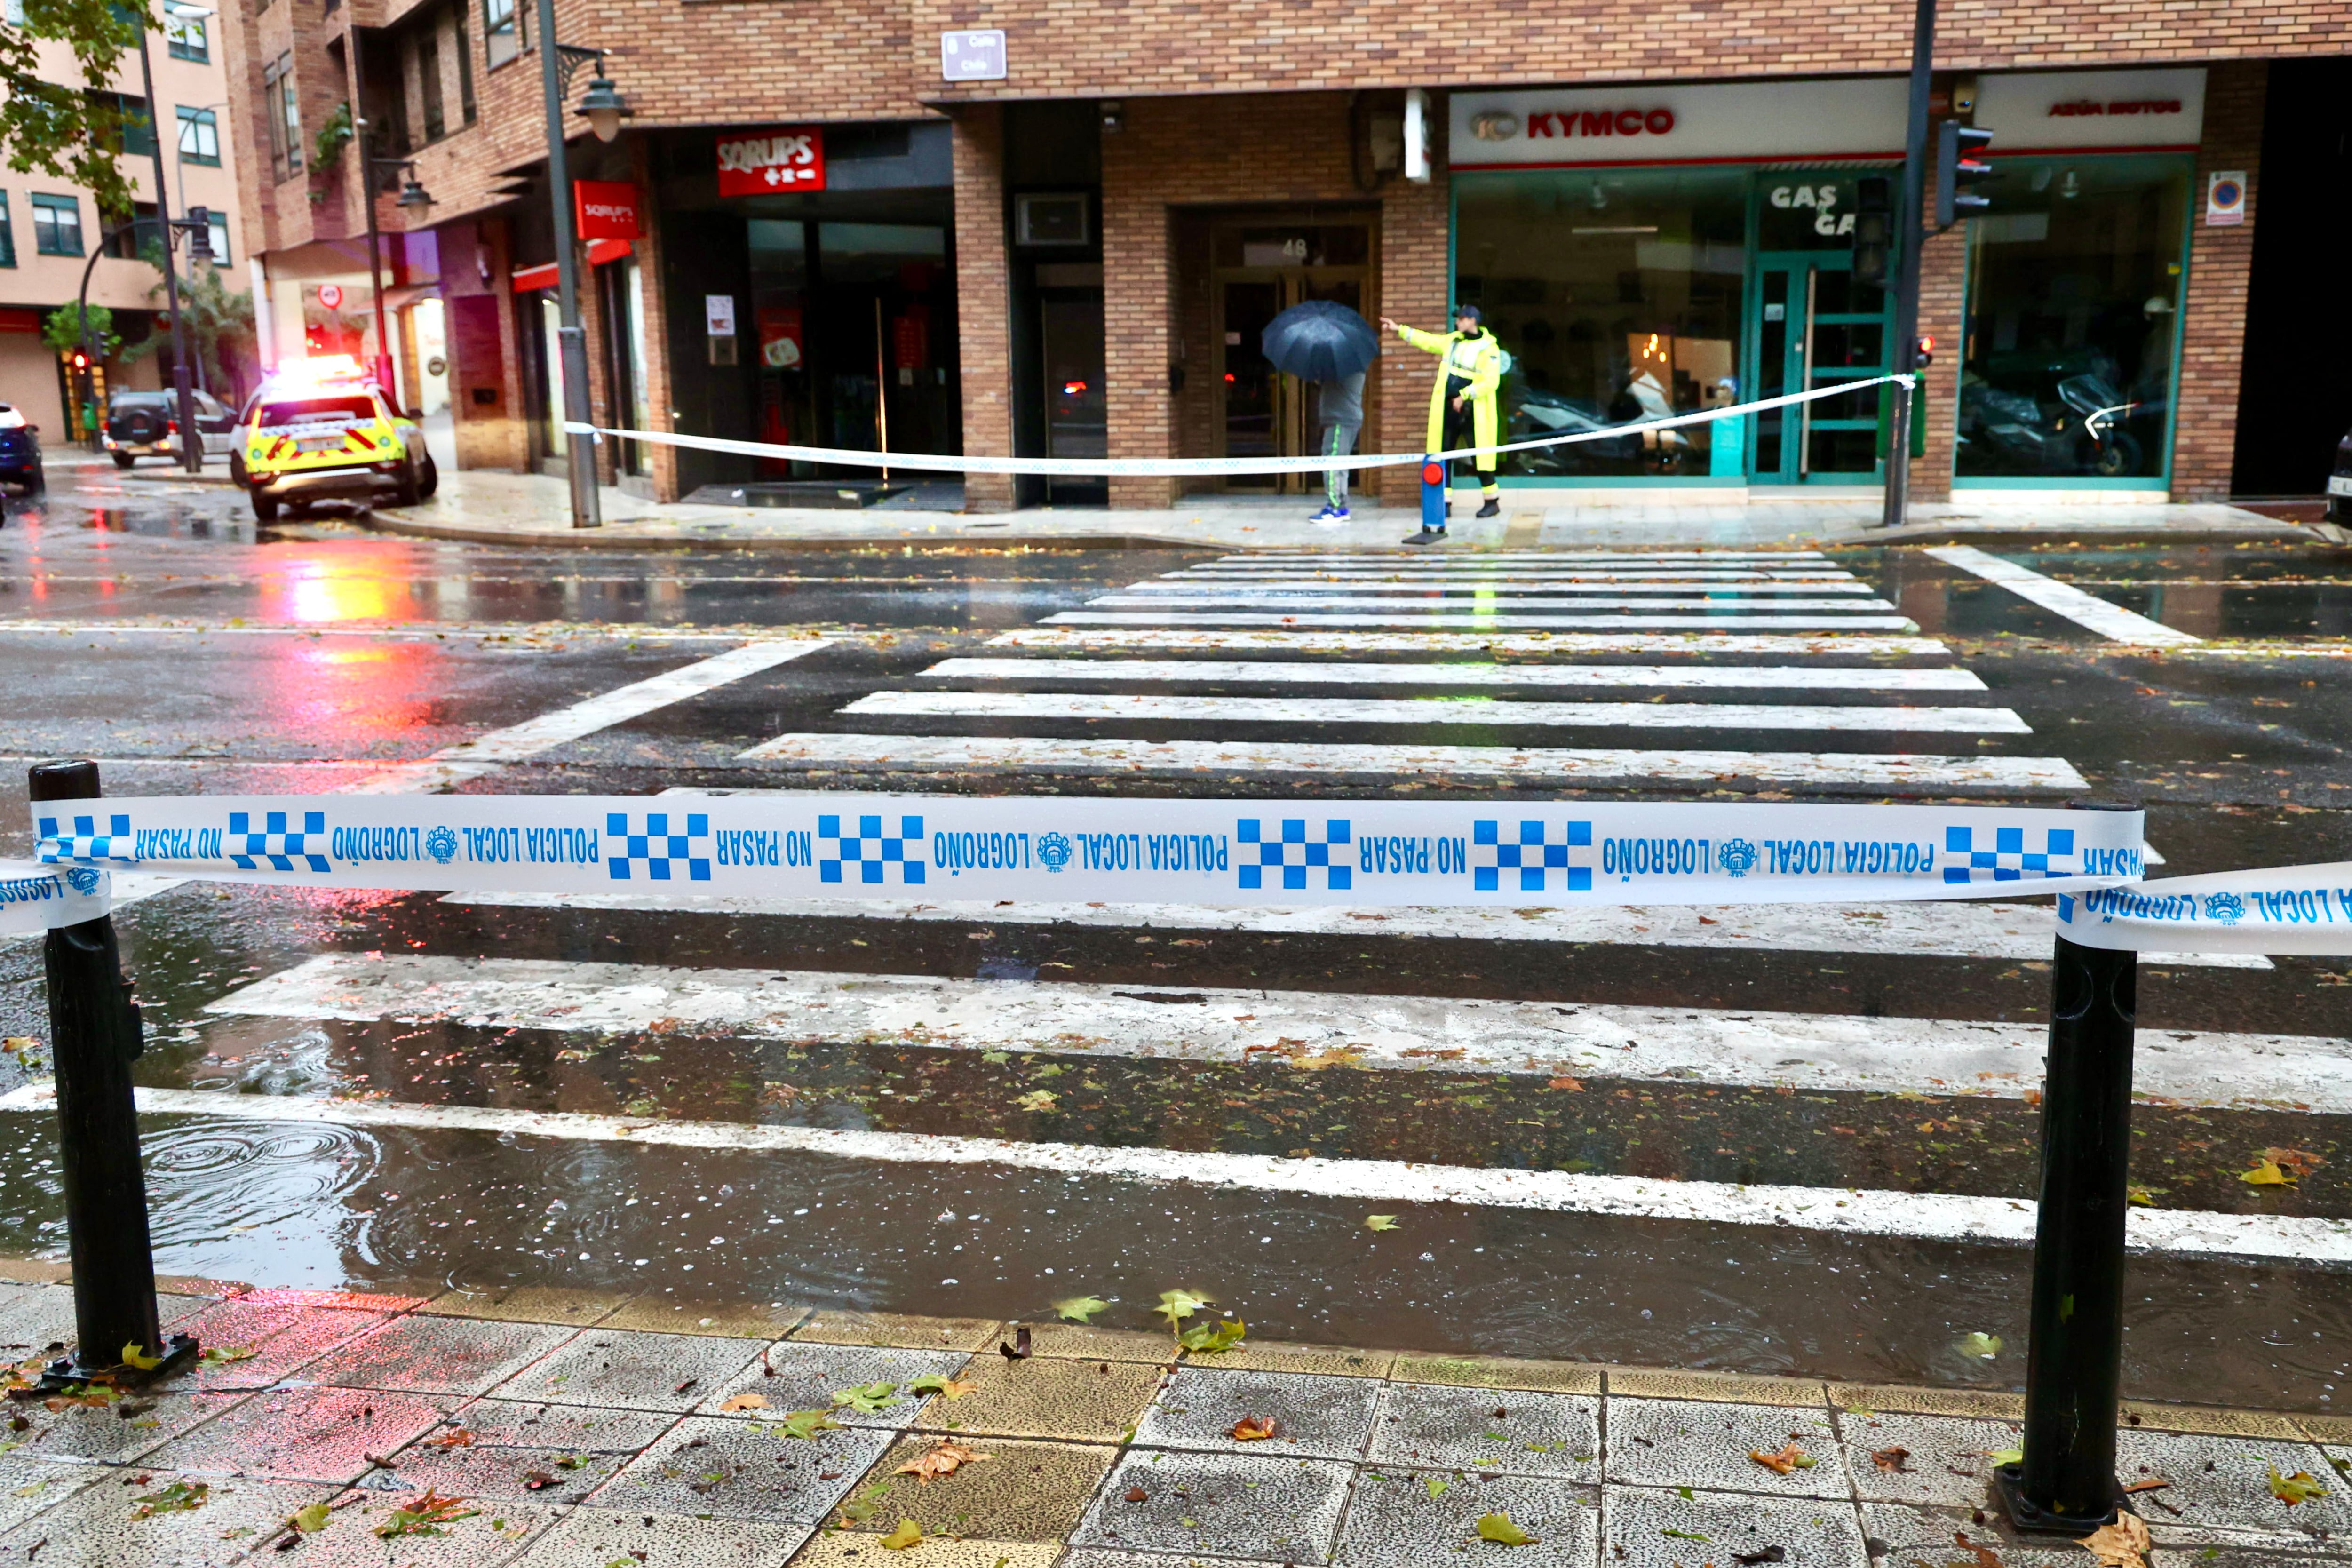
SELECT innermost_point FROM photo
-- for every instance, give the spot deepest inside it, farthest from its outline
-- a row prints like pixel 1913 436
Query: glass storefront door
pixel 1814 326
pixel 1261 270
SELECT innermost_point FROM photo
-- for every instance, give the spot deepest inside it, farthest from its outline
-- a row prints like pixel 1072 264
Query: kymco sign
pixel 769 162
pixel 608 209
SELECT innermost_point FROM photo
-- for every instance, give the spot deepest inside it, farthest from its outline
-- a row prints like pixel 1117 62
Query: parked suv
pixel 20 450
pixel 147 424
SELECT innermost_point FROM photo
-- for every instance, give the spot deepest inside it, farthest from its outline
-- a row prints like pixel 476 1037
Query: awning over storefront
pixel 531 280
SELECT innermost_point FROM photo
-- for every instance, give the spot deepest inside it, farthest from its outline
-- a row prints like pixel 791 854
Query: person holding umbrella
pixel 1323 342
pixel 1464 405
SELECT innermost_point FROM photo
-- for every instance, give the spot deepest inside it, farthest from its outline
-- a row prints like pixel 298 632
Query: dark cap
pixel 1470 310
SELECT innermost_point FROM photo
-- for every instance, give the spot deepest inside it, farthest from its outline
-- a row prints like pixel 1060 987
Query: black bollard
pixel 2066 1483
pixel 94 1033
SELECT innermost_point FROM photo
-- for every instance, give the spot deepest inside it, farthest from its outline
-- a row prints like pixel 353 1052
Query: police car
pixel 320 429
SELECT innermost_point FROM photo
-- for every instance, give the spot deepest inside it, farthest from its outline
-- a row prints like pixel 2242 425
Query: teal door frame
pixel 1784 326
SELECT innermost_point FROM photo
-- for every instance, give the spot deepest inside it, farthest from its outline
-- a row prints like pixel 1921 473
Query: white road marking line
pixel 497 632
pixel 1566 594
pixel 2110 621
pixel 1541 557
pixel 1930 1217
pixel 1783 646
pixel 1740 677
pixel 1645 583
pixel 1146 707
pixel 1728 599
pixel 1344 574
pixel 1952 928
pixel 1827 1053
pixel 933 753
pixel 1724 621
pixel 484 753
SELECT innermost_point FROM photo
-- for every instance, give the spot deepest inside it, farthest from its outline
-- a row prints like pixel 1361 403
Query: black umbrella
pixel 1320 340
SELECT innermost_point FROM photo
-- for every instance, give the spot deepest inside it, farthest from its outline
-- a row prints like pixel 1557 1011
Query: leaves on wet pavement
pixel 1984 1347
pixel 1762 1555
pixel 1178 1305
pixel 180 1497
pixel 1789 1459
pixel 1498 1529
pixel 944 1460
pixel 1080 1309
pixel 1213 1339
pixel 744 1402
pixel 1036 1099
pixel 2277 1167
pixel 1437 1485
pixel 1256 1429
pixel 309 1519
pixel 936 1382
pixel 2296 1488
pixel 2266 1173
pixel 1379 1222
pixel 222 1355
pixel 1892 1459
pixel 454 1437
pixel 133 1354
pixel 427 1513
pixel 2123 1544
pixel 907 1534
pixel 867 1396
pixel 806 1424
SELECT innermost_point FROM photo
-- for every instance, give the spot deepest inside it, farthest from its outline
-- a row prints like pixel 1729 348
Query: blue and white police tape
pixel 1028 848
pixel 35 898
pixel 2286 908
pixel 1193 468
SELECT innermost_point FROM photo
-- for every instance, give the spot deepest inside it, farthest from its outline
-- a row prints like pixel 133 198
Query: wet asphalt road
pixel 309 659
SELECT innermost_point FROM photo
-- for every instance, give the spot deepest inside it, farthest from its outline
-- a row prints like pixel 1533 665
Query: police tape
pixel 1049 848
pixel 37 898
pixel 2286 908
pixel 1181 468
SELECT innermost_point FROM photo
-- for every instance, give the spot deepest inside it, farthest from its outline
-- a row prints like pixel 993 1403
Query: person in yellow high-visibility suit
pixel 1464 405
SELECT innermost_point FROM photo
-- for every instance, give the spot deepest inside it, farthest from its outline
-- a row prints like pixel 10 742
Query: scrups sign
pixel 1179 851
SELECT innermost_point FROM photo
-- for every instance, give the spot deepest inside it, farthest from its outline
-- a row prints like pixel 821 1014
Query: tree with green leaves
pixel 61 330
pixel 59 129
pixel 216 322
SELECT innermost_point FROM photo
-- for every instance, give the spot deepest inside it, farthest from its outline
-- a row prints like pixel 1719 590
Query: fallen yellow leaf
pixel 2266 1173
pixel 942 1460
pixel 745 1401
pixel 1789 1458
pixel 908 1533
pixel 1498 1529
pixel 1253 1429
pixel 2123 1544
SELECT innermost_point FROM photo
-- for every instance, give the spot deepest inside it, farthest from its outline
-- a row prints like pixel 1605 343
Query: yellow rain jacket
pixel 1480 361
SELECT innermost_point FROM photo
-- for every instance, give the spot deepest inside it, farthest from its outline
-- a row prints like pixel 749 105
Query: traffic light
pixel 80 360
pixel 1874 226
pixel 1923 352
pixel 1957 166
pixel 200 233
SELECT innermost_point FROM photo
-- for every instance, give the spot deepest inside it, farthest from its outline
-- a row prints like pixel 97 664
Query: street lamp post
pixel 603 111
pixel 192 443
pixel 413 198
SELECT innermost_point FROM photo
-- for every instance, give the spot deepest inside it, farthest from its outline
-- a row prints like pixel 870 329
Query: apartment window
pixel 502 30
pixel 428 78
pixel 283 115
pixel 464 70
pixel 57 224
pixel 199 137
pixel 188 39
pixel 128 244
pixel 220 239
pixel 135 128
pixel 7 234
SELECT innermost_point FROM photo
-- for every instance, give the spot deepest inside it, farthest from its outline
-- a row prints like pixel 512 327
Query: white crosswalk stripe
pixel 1535 646
pixel 1722 620
pixel 1276 672
pixel 1711 592
pixel 1728 599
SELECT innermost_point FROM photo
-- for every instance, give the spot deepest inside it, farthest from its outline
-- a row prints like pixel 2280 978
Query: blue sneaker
pixel 1330 514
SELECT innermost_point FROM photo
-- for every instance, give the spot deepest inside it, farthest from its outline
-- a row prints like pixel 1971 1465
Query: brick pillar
pixel 983 302
pixel 1137 300
pixel 1943 283
pixel 661 462
pixel 2220 264
pixel 1415 289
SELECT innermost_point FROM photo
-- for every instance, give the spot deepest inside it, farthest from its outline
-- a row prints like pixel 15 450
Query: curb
pixel 598 539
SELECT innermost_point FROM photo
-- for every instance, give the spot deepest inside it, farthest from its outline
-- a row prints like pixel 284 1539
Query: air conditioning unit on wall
pixel 1053 218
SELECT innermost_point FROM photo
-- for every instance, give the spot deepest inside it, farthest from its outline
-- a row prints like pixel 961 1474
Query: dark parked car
pixel 147 424
pixel 20 450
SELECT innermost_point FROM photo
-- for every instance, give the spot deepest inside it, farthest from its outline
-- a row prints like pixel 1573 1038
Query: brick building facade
pixel 925 298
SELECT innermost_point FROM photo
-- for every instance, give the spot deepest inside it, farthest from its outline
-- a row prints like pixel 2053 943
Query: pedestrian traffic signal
pixel 1874 226
pixel 1957 166
pixel 1923 352
pixel 80 360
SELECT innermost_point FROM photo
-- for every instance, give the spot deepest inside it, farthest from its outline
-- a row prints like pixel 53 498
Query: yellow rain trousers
pixel 1479 360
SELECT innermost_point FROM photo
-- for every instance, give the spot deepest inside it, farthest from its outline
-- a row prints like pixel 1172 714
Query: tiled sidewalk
pixel 605 1432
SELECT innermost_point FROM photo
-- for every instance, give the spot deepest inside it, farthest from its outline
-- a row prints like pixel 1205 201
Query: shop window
pixel 1617 293
pixel 2073 311
pixel 187 39
pixel 502 31
pixel 199 137
pixel 57 224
